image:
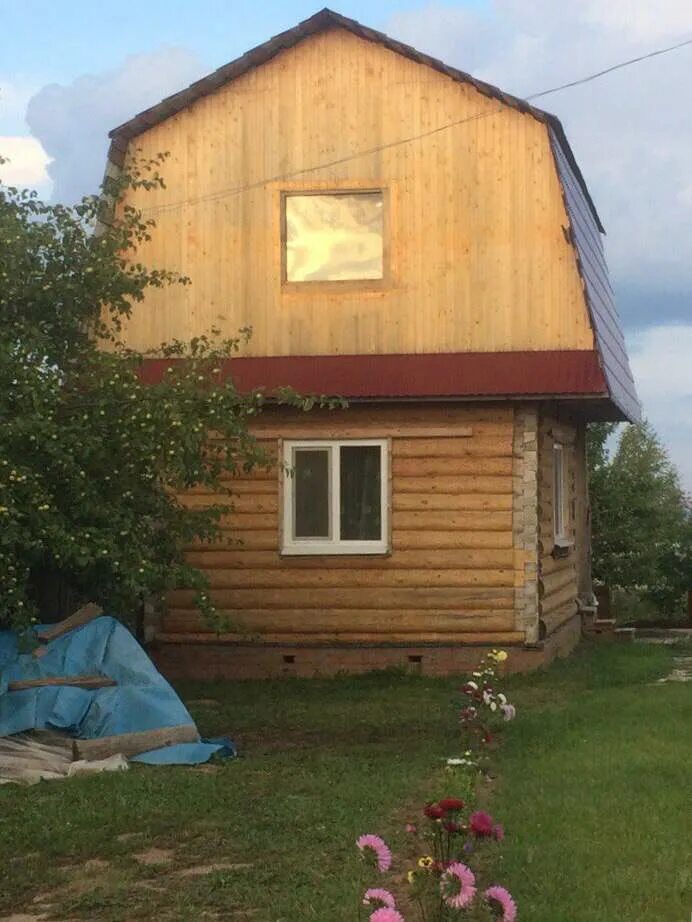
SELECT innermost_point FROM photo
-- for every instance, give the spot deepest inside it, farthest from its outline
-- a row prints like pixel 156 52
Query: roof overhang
pixel 562 374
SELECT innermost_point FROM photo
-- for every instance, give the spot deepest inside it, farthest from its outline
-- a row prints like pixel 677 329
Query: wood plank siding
pixel 453 569
pixel 477 257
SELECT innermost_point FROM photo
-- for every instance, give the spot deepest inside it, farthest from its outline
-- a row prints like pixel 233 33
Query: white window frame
pixel 560 493
pixel 334 544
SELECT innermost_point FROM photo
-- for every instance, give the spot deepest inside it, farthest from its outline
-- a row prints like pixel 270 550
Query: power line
pixel 229 192
pixel 609 70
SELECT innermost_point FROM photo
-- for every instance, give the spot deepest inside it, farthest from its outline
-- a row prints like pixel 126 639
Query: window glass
pixel 361 495
pixel 311 493
pixel 334 237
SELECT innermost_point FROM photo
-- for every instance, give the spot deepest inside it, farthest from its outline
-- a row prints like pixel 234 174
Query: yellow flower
pixel 411 877
pixel 426 862
pixel 501 656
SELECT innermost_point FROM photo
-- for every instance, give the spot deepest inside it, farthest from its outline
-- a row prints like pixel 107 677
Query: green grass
pixel 591 784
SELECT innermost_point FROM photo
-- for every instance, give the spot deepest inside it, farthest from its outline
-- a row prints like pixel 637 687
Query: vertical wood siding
pixel 478 256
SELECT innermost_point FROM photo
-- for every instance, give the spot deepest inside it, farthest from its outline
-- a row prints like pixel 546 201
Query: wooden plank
pixel 488 448
pixel 386 598
pixel 75 681
pixel 492 638
pixel 560 598
pixel 464 502
pixel 464 521
pixel 550 583
pixel 443 539
pixel 132 744
pixel 459 559
pixel 341 578
pixel 82 616
pixel 452 478
pixel 381 430
pixel 374 621
pixel 551 621
pixel 242 504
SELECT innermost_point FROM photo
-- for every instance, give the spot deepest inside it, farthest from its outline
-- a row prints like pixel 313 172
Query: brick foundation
pixel 257 661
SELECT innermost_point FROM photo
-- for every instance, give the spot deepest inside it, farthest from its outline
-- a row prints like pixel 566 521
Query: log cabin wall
pixel 563 571
pixel 454 569
pixel 477 257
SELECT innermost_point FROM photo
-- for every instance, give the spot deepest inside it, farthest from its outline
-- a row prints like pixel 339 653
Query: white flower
pixel 509 711
pixel 493 706
pixel 456 761
pixel 472 685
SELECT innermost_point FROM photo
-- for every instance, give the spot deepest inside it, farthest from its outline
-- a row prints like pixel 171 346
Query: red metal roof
pixel 446 375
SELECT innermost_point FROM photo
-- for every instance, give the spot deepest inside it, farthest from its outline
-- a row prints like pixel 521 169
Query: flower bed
pixel 444 882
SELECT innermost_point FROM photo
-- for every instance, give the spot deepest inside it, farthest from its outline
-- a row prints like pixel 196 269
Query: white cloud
pixel 662 365
pixel 15 93
pixel 72 122
pixel 26 162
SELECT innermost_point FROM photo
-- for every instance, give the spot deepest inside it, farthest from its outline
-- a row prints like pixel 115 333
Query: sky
pixel 71 71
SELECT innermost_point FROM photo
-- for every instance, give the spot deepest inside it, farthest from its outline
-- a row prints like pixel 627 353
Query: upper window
pixel 334 237
pixel 335 499
pixel 559 492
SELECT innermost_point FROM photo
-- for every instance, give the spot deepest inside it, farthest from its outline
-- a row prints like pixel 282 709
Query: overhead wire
pixel 231 191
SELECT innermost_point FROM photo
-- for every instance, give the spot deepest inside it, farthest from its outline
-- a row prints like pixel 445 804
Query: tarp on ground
pixel 142 699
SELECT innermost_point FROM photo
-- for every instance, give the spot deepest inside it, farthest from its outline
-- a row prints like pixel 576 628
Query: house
pixel 422 243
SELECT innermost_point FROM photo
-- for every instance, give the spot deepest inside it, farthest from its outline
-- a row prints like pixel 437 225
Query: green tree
pixel 92 459
pixel 641 522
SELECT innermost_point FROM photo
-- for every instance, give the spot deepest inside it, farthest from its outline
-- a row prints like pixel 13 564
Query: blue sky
pixel 71 70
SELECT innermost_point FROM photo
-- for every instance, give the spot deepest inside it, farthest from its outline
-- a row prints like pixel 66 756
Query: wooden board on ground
pixel 74 681
pixel 132 744
pixel 82 616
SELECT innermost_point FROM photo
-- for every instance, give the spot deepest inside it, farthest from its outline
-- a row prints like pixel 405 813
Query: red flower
pixel 452 827
pixel 481 824
pixel 434 811
pixel 452 803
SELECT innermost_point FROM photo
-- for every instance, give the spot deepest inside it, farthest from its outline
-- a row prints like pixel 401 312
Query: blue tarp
pixel 142 699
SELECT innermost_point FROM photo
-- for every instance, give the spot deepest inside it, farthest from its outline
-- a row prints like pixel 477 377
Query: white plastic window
pixel 335 497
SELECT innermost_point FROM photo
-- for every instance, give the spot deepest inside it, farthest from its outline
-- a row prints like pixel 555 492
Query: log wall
pixel 454 568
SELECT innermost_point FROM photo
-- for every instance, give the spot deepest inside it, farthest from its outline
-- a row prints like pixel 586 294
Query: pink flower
pixel 378 851
pixel 501 901
pixel 509 711
pixel 458 885
pixel 386 914
pixel 378 895
pixel 499 831
pixel 411 827
pixel 481 823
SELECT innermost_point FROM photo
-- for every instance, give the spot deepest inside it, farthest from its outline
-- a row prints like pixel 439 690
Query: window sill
pixel 329 550
pixel 562 547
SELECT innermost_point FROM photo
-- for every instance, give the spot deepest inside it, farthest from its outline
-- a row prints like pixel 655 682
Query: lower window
pixel 335 497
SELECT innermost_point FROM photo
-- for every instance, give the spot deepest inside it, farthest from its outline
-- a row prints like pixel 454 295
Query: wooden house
pixel 403 235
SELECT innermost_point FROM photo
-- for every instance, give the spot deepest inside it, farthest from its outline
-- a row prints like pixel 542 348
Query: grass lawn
pixel 592 786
